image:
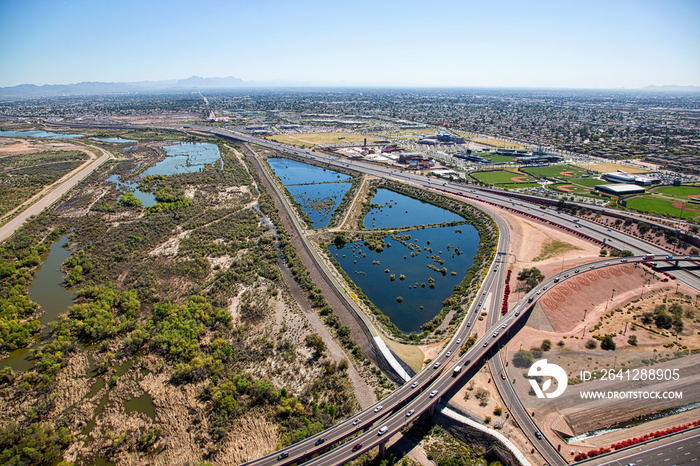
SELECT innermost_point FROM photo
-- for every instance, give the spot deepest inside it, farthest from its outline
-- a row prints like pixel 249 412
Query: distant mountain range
pixel 95 88
pixel 672 88
pixel 196 82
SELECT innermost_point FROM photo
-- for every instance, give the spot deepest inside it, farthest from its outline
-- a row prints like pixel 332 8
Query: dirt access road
pixel 52 193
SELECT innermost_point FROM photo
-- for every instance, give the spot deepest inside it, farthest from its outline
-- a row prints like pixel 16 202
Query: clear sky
pixel 509 43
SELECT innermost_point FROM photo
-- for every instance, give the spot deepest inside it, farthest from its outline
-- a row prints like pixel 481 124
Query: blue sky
pixel 591 44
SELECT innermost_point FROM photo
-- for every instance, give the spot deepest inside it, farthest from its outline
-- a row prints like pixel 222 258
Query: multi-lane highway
pixel 414 398
pixel 681 449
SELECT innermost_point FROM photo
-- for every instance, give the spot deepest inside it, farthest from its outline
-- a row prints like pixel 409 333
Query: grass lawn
pixel 555 171
pixel 495 158
pixel 502 176
pixel 611 167
pixel 308 139
pixel 589 182
pixel 655 205
pixel 678 191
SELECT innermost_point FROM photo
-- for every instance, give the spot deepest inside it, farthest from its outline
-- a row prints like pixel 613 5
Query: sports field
pixel 570 188
pixel 502 177
pixel 495 158
pixel 309 139
pixel 656 205
pixel 589 182
pixel 562 172
pixel 684 192
pixel 610 168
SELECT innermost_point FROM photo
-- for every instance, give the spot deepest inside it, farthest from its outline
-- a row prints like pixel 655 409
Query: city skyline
pixel 452 44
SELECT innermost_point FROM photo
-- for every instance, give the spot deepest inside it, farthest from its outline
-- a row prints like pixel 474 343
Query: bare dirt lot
pixel 9 146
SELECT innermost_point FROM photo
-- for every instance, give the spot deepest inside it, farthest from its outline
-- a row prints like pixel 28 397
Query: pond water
pixel 115 140
pixel 46 290
pixel 319 201
pixel 397 210
pixel 39 134
pixel 185 157
pixel 293 172
pixel 319 191
pixel 147 199
pixel 143 404
pixel 455 245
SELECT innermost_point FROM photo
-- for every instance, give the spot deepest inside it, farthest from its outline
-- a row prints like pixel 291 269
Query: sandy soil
pixel 29 146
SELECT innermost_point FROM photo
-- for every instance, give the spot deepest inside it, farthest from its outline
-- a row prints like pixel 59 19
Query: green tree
pixel 632 340
pixel 607 343
pixel 315 341
pixel 546 345
pixel 530 278
pixel 676 309
pixel 224 398
pixel 523 359
pixel 339 240
pixel 663 320
pixel 129 200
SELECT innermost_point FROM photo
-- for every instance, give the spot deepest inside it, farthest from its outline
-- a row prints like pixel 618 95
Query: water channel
pixel 46 290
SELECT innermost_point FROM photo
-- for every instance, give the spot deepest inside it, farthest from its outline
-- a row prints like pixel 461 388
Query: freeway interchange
pixel 425 389
pixel 416 396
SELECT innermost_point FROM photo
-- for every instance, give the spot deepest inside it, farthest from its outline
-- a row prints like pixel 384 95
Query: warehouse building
pixel 620 189
pixel 622 177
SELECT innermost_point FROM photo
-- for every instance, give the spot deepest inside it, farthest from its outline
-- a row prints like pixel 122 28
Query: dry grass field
pixel 611 167
pixel 498 143
pixel 306 139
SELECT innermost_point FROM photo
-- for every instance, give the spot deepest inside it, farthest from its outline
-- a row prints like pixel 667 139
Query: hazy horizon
pixel 358 85
pixel 451 44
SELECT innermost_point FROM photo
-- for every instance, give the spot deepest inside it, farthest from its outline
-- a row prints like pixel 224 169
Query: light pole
pixel 612 295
